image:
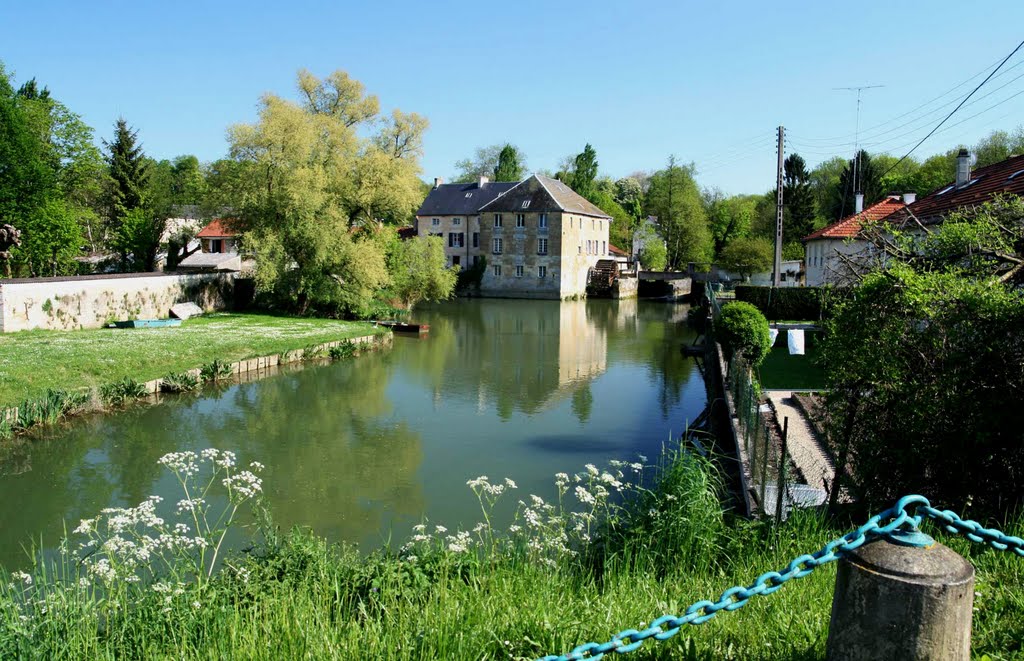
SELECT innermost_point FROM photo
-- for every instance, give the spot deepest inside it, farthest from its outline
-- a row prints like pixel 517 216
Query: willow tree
pixel 306 176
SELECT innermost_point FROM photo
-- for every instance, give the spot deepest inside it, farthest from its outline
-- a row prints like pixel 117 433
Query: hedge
pixel 790 303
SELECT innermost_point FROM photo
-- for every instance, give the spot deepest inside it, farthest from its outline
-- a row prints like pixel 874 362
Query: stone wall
pixel 93 301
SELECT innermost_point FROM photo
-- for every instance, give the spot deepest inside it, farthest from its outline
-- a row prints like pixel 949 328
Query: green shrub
pixel 215 370
pixel 46 409
pixel 119 392
pixel 179 382
pixel 791 303
pixel 743 330
pixel 346 349
pixel 313 351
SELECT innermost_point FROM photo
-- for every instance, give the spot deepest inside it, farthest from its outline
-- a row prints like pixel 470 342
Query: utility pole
pixel 777 273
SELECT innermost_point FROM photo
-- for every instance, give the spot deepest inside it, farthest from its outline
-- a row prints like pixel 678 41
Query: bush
pixel 791 303
pixel 215 370
pixel 344 350
pixel 179 382
pixel 743 330
pixel 119 392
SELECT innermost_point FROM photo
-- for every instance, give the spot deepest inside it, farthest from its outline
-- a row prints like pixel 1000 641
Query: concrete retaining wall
pixel 93 301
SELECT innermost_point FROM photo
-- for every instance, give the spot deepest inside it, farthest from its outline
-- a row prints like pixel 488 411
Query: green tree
pixel 653 254
pixel 584 172
pixel 743 331
pixel 484 163
pixel 859 175
pixel 419 271
pixel 675 199
pixel 300 170
pixel 798 200
pixel 999 146
pixel 729 217
pixel 51 240
pixel 747 256
pixel 629 194
pixel 26 178
pixel 509 167
pixel 129 177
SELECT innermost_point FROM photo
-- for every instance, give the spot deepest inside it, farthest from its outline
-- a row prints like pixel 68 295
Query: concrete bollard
pixel 901 602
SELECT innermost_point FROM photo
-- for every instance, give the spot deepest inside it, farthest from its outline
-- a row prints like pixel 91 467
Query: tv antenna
pixel 856 133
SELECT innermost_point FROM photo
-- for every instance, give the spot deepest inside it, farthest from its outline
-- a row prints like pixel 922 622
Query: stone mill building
pixel 540 238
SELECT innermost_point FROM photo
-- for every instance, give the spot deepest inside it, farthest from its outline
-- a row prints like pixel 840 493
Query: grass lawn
pixel 783 371
pixel 32 361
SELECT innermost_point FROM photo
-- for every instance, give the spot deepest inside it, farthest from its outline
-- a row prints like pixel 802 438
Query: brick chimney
pixel 963 168
pixel 438 181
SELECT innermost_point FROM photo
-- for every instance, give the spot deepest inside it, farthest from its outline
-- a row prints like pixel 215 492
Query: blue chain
pixel 737 597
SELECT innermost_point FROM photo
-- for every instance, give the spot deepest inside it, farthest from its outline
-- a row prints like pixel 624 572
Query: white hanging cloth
pixel 773 334
pixel 796 342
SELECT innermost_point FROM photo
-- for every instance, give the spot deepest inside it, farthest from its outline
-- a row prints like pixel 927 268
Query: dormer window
pixel 526 204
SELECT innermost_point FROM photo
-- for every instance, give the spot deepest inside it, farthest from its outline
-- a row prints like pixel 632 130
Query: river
pixel 361 450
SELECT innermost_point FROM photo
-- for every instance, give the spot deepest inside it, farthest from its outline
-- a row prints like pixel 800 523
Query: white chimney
pixel 438 181
pixel 859 203
pixel 963 168
pixel 483 180
pixel 909 198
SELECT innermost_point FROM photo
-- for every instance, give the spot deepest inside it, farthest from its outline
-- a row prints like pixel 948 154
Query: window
pixel 600 225
pixel 497 270
pixel 456 221
pixel 542 246
pixel 591 223
pixel 497 220
pixel 579 249
pixel 476 259
pixel 476 239
pixel 437 234
pixel 456 240
pixel 519 270
pixel 604 247
pixel 542 271
pixel 435 221
pixel 588 246
pixel 526 204
pixel 497 246
pixel 542 222
pixel 520 220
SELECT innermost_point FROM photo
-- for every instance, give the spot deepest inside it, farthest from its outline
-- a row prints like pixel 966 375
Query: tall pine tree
pixel 842 202
pixel 798 198
pixel 585 172
pixel 127 195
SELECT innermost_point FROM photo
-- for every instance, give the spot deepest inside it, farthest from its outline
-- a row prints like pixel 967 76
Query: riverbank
pixel 32 362
pixel 552 580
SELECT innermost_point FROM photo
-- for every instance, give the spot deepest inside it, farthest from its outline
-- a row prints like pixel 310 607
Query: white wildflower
pixel 510 483
pixel 585 496
pixel 22 576
pixel 592 469
pixel 440 529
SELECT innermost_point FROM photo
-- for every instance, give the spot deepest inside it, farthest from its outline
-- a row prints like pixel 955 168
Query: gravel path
pixel 803 445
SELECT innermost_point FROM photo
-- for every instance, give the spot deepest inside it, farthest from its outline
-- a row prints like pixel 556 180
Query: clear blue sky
pixel 708 82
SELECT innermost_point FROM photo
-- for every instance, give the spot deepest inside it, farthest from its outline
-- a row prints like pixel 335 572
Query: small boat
pixel 147 323
pixel 401 327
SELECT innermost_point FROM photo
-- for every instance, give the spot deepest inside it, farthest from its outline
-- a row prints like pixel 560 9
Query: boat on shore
pixel 402 327
pixel 147 323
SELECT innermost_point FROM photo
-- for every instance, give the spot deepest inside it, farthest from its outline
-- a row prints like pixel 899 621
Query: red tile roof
pixel 850 226
pixel 1005 177
pixel 218 228
pixel 614 250
pixel 406 233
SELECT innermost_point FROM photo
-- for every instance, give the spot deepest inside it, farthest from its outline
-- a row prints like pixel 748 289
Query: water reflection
pixel 359 450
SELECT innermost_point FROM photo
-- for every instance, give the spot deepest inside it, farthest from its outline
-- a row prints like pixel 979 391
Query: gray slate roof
pixel 461 199
pixel 543 194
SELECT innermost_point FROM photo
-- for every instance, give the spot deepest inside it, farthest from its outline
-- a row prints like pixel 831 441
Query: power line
pixel 912 110
pixel 946 118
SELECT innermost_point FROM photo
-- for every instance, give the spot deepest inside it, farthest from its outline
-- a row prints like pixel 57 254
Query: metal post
pixel 777 274
pixel 899 601
pixel 781 480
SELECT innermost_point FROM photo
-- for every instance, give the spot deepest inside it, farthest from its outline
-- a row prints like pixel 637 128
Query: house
pixel 827 251
pixel 451 211
pixel 969 189
pixel 824 247
pixel 541 239
pixel 219 236
pixel 220 244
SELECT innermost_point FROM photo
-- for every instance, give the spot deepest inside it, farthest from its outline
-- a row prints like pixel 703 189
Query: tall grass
pixel 605 556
